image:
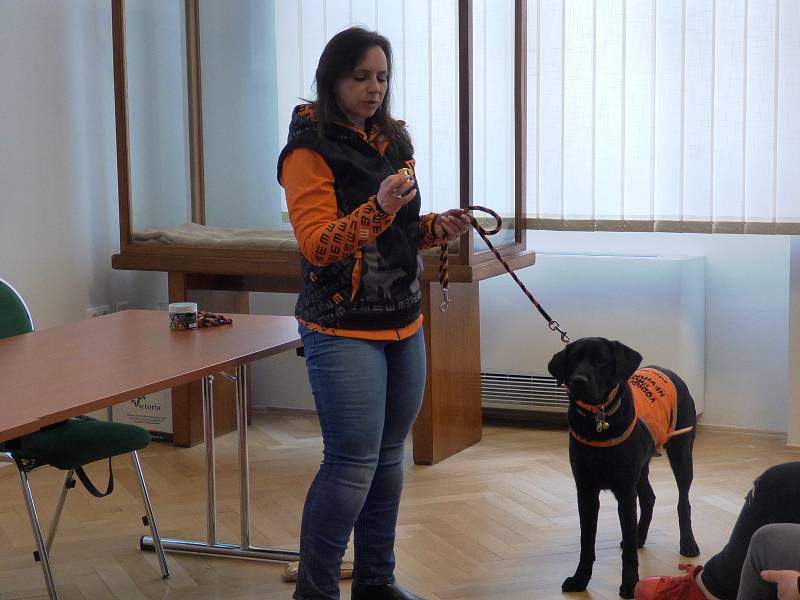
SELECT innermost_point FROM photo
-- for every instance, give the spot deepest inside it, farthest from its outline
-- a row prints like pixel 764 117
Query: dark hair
pixel 339 58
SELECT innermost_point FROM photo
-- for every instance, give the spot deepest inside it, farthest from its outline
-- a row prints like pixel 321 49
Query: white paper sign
pixel 152 412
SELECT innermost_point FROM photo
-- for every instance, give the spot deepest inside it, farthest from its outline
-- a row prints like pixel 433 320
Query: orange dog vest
pixel 656 402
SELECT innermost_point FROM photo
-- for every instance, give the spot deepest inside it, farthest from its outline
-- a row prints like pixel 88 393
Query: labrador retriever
pixel 618 419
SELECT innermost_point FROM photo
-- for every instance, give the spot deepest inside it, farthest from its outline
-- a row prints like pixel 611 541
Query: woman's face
pixel 359 94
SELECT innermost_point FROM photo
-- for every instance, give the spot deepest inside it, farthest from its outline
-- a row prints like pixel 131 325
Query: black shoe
pixel 387 591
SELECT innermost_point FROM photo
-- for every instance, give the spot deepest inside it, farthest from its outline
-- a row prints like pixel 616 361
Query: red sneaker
pixel 682 587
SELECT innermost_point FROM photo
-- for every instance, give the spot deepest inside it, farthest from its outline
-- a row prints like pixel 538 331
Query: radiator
pixel 654 304
pixel 519 391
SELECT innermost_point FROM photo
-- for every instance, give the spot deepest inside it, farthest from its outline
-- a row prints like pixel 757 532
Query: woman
pixel 353 201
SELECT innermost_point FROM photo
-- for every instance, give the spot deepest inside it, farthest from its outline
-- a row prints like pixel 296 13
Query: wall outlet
pixel 97 311
pixel 121 305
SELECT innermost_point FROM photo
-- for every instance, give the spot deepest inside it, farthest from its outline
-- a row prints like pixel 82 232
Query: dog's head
pixel 591 367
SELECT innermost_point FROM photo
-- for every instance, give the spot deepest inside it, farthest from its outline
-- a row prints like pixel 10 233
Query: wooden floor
pixel 498 521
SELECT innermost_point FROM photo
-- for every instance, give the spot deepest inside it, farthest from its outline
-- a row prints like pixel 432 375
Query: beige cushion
pixel 193 234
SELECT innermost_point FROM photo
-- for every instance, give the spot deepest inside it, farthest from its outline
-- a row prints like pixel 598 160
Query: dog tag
pixel 600 419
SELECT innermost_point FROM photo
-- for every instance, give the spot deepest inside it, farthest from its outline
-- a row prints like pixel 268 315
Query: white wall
pixel 58 204
pixel 793 355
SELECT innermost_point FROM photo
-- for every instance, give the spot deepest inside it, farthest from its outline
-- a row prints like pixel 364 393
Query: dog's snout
pixel 579 383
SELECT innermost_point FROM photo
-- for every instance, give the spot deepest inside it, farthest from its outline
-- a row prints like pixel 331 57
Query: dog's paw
pixel 626 590
pixel 574 584
pixel 690 548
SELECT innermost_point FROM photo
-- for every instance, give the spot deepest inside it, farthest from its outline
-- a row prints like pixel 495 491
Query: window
pixel 664 115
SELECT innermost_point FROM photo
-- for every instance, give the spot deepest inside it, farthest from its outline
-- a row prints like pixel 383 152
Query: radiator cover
pixel 522 391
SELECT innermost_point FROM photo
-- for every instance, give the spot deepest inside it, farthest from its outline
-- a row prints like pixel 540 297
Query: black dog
pixel 610 446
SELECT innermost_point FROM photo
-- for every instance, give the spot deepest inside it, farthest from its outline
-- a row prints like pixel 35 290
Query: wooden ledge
pixel 267 274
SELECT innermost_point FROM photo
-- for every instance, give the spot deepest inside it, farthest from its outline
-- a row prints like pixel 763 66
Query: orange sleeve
pixel 427 237
pixel 323 235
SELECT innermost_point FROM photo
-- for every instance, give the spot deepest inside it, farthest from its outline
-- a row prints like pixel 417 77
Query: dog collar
pixel 607 443
pixel 613 441
pixel 596 408
pixel 599 412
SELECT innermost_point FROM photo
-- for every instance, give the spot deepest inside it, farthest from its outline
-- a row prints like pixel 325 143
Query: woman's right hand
pixel 394 192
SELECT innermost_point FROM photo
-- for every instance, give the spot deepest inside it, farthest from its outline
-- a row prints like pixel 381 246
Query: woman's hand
pixel 786 581
pixel 451 224
pixel 394 192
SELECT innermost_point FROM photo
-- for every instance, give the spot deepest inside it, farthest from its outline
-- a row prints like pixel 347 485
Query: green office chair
pixel 69 446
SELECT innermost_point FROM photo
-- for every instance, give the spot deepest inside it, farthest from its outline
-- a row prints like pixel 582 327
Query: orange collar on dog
pixel 596 408
pixel 613 441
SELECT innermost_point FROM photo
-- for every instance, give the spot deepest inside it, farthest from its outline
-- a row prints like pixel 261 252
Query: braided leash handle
pixel 443 260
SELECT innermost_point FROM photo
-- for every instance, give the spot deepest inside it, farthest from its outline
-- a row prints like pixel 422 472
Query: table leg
pixel 211 546
pixel 207 386
pixel 244 461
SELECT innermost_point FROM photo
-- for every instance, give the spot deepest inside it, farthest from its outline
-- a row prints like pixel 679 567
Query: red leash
pixel 443 259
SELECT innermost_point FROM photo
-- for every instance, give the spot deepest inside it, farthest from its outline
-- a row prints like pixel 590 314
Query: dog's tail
pixel 672 434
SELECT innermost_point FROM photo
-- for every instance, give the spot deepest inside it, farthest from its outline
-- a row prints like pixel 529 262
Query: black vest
pixel 389 294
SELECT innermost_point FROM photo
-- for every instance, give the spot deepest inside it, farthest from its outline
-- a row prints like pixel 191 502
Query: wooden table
pixel 54 374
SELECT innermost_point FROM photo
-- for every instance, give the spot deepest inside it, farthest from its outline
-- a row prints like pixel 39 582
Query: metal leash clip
pixel 446 302
pixel 555 326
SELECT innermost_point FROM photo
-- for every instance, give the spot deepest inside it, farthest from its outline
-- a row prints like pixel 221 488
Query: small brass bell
pixel 601 426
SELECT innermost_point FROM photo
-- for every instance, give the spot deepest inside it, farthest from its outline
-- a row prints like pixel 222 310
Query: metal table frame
pixel 211 547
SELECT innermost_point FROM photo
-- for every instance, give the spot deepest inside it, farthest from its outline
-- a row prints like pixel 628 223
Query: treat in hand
pixel 396 191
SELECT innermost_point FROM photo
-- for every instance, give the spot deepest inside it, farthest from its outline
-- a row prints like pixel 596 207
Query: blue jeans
pixel 367 395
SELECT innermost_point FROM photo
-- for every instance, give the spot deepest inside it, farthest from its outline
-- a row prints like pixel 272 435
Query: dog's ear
pixel 627 361
pixel 558 364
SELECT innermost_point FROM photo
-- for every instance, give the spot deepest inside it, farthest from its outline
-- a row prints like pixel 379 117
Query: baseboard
pixel 741 431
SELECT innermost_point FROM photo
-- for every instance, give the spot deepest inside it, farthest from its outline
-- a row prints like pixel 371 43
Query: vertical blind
pixel 676 115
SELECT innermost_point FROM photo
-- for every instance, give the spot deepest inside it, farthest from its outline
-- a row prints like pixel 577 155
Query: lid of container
pixel 183 307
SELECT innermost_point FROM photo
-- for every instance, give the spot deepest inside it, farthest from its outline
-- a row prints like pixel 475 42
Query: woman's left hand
pixel 786 582
pixel 451 224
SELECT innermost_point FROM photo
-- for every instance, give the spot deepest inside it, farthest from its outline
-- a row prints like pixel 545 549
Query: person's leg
pixel 348 379
pixel 775 498
pixel 375 527
pixel 775 546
